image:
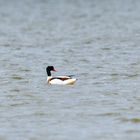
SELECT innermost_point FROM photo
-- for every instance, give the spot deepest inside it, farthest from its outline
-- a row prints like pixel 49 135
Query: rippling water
pixel 98 41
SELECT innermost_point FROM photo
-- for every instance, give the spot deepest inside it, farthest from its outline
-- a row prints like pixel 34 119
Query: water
pixel 98 41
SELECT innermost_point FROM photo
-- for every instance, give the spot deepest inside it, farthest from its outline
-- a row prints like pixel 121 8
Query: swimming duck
pixel 59 80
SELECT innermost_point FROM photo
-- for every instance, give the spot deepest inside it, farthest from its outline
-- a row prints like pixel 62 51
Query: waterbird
pixel 59 80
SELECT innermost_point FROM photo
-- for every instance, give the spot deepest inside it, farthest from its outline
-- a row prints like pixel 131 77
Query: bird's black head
pixel 49 69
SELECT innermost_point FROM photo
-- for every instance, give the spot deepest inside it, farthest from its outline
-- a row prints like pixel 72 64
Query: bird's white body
pixel 61 80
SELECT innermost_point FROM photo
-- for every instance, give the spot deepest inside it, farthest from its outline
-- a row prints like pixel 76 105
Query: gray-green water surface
pixel 98 41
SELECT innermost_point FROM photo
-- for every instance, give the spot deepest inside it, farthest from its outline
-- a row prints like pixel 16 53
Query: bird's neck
pixel 48 72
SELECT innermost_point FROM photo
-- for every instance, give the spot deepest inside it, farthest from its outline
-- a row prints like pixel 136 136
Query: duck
pixel 59 80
